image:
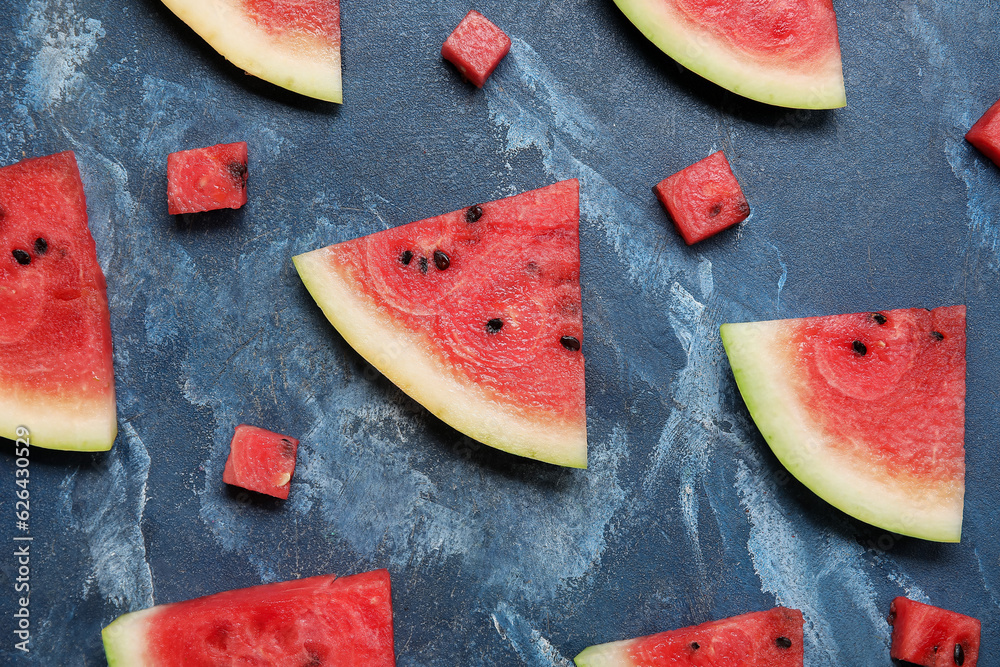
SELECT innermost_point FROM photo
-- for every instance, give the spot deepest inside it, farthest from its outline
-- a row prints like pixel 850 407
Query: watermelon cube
pixel 985 134
pixel 475 47
pixel 933 637
pixel 206 179
pixel 261 461
pixel 703 199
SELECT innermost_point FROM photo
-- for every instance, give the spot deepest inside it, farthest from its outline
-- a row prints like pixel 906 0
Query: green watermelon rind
pixel 52 423
pixel 403 357
pixel 858 488
pixel 708 56
pixel 125 638
pixel 311 69
pixel 611 654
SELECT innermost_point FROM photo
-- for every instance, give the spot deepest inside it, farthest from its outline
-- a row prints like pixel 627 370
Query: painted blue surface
pixel 684 515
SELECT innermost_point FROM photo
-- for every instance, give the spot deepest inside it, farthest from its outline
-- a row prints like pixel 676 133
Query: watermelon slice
pixel 476 315
pixel 985 133
pixel 760 639
pixel 774 51
pixel 933 637
pixel 261 461
pixel 207 179
pixel 323 620
pixel 703 199
pixel 294 44
pixel 867 410
pixel 55 329
pixel 476 47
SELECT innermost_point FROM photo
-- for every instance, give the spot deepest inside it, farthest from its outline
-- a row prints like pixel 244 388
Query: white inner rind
pixel 305 64
pixel 86 425
pixel 407 359
pixel 860 487
pixel 709 56
pixel 125 639
pixel 611 654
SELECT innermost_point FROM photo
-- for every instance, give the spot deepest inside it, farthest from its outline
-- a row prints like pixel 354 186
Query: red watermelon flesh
pixel 207 179
pixel 867 410
pixel 779 52
pixel 325 620
pixel 261 460
pixel 476 47
pixel 475 314
pixel 759 639
pixel 55 329
pixel 985 134
pixel 933 637
pixel 704 198
pixel 308 17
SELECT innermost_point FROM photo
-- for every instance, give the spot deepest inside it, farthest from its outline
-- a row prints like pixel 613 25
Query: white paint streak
pixel 911 589
pixel 686 440
pixel 107 507
pixel 953 91
pixel 529 644
pixel 63 41
pixel 800 567
pixel 781 280
pixel 988 585
pixel 549 97
pixel 687 437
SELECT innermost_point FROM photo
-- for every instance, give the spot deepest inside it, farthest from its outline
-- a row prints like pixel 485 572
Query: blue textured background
pixel 684 515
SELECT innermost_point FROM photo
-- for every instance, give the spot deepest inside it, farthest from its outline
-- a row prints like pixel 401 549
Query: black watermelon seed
pixel 716 210
pixel 287 447
pixel 22 257
pixel 743 208
pixel 934 648
pixel 695 646
pixel 959 654
pixel 423 265
pixel 859 348
pixel 41 246
pixel 441 260
pixel 783 642
pixel 494 325
pixel 473 213
pixel 406 257
pixel 238 171
pixel 571 343
pixel 892 617
pixel 937 335
pixel 879 318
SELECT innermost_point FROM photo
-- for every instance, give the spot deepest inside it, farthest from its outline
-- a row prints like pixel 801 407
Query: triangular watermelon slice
pixel 55 330
pixel 770 638
pixel 294 44
pixel 867 410
pixel 476 315
pixel 324 620
pixel 773 51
